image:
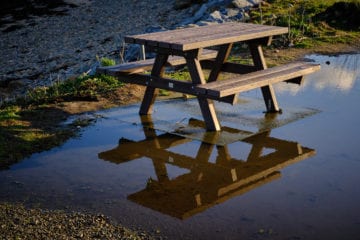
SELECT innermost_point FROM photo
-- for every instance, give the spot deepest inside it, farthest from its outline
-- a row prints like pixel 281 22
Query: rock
pixel 245 3
pixel 233 13
pixel 216 17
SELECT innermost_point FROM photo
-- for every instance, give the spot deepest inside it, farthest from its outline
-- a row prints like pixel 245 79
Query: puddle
pixel 182 118
pixel 284 176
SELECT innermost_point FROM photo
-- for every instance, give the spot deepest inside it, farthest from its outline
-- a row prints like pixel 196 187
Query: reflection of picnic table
pixel 205 182
pixel 188 47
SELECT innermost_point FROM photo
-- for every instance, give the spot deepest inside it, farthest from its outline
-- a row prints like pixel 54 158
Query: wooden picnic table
pixel 191 46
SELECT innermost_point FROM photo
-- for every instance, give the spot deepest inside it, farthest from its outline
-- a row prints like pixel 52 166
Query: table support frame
pixel 197 77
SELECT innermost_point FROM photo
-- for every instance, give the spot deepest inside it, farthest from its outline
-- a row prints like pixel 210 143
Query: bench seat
pixel 146 65
pixel 292 73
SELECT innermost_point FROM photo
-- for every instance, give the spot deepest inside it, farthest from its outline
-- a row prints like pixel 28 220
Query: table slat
pixel 212 35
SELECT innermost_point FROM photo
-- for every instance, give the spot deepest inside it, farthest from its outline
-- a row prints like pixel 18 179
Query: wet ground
pixel 281 176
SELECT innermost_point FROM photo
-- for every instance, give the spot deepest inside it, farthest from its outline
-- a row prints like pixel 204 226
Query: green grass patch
pixel 107 62
pixel 85 87
pixel 181 75
pixel 306 19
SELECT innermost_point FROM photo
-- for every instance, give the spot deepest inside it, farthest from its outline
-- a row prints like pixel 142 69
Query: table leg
pixel 220 59
pixel 258 147
pixel 151 92
pixel 206 105
pixel 267 91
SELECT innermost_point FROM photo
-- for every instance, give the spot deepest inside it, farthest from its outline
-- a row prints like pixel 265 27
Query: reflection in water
pixel 206 183
pixel 337 72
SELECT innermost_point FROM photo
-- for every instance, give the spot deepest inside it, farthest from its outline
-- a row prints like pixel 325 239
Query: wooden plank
pixel 199 37
pixel 244 83
pixel 225 38
pixel 251 75
pixel 268 90
pixel 169 84
pixel 207 32
pixel 206 105
pixel 127 68
pixel 223 31
pixel 151 92
pixel 220 59
pixel 230 37
pixel 185 33
pixel 146 65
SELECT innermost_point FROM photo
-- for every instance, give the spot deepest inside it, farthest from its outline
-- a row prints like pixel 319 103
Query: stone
pixel 233 12
pixel 245 3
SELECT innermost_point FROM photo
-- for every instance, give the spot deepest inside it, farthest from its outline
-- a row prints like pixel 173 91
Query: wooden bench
pixel 291 73
pixel 221 90
pixel 146 65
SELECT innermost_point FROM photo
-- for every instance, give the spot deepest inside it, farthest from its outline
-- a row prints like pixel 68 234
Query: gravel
pixel 17 222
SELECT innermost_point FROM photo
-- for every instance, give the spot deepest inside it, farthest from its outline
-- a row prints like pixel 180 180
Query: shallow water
pixel 288 176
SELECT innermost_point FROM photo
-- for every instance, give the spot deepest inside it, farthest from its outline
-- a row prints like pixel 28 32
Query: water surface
pixel 288 176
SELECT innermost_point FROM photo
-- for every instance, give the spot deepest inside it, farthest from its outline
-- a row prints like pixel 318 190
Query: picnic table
pixel 208 47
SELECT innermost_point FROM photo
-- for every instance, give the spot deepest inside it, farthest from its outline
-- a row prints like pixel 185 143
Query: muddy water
pixel 288 176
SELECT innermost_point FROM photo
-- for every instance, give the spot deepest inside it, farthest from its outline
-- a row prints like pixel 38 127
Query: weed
pixel 163 92
pixel 9 113
pixel 84 87
pixel 107 62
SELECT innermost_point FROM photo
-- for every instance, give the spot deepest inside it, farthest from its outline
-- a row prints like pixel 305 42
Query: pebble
pixel 17 222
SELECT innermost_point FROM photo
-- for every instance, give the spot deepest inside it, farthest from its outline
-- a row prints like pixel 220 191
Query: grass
pixel 302 17
pixel 84 87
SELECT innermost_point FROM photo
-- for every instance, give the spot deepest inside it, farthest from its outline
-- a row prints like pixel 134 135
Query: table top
pixel 190 38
